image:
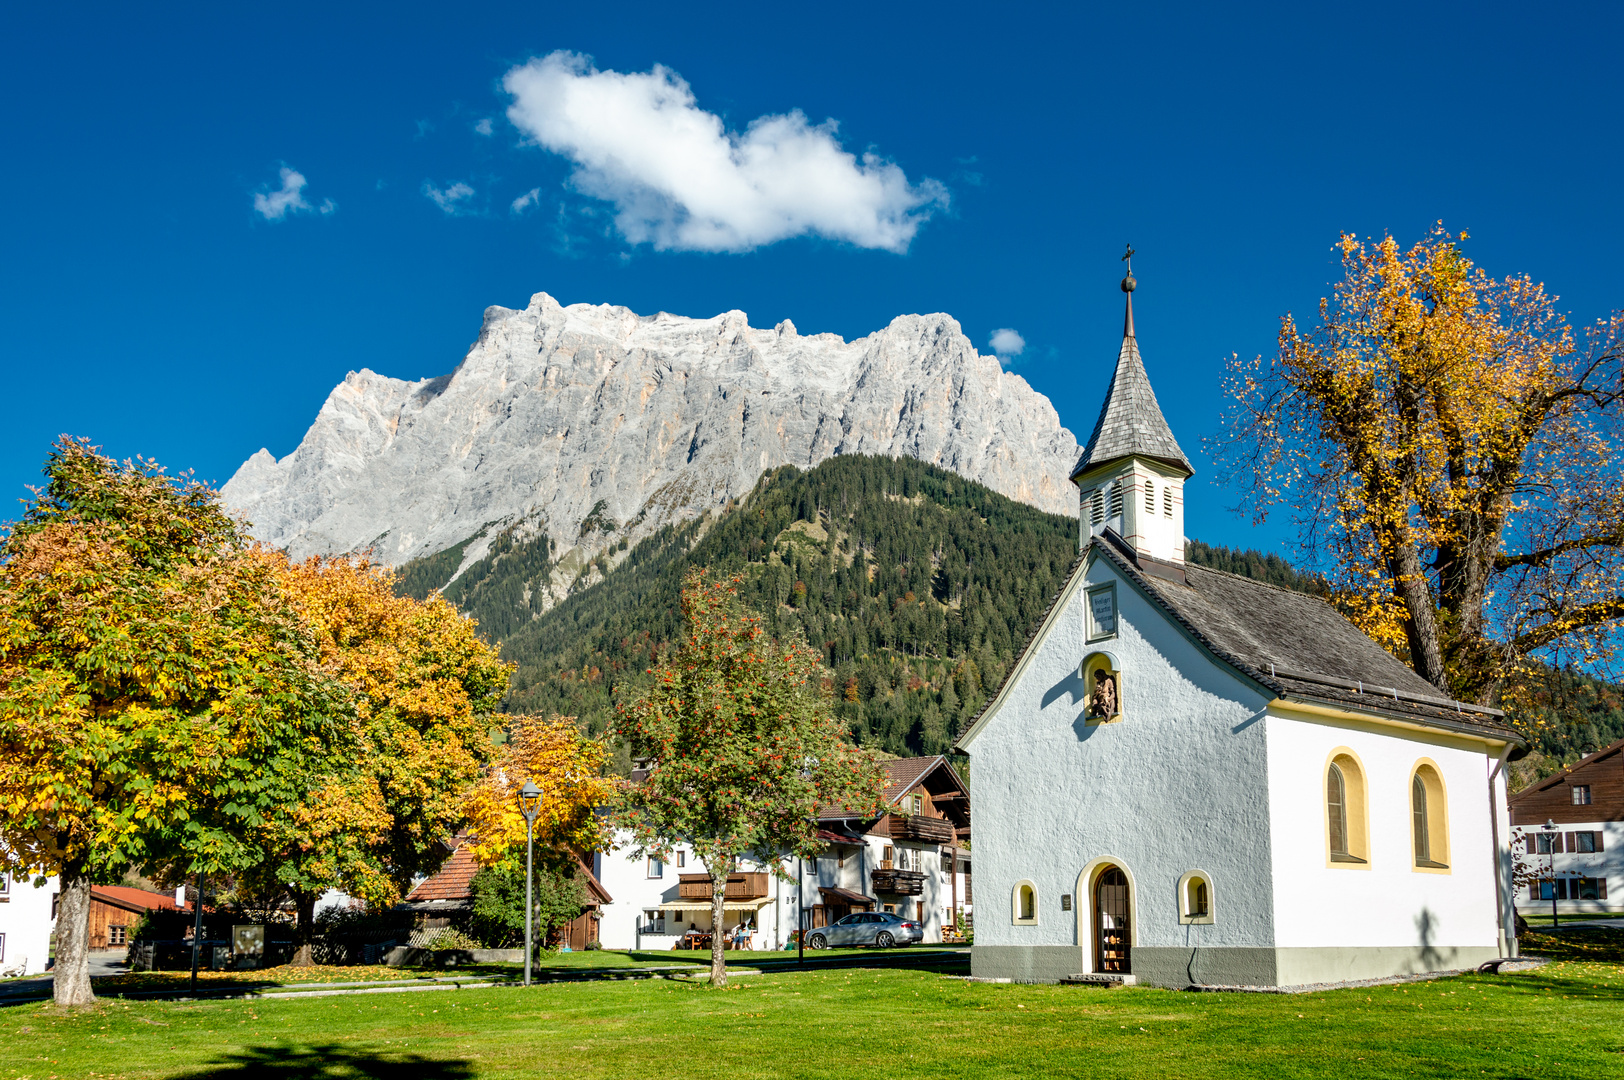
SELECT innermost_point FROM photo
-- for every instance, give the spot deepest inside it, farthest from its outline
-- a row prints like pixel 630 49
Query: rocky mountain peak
pixel 560 414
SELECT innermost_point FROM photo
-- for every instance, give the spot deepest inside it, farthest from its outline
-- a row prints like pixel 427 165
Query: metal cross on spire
pixel 1128 284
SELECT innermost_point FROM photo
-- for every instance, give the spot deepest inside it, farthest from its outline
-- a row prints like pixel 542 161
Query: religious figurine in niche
pixel 1102 703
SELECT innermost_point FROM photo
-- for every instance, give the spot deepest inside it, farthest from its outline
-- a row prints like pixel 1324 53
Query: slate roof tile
pixel 1131 422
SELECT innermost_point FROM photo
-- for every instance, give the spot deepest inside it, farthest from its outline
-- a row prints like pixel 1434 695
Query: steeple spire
pixel 1131 423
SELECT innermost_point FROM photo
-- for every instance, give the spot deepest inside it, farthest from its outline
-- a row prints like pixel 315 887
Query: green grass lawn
pixel 1564 1020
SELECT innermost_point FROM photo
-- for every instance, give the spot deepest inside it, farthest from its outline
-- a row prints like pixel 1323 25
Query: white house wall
pixel 1349 921
pixel 1607 864
pixel 25 921
pixel 1178 784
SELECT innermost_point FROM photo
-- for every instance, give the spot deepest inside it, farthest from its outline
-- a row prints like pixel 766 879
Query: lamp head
pixel 529 800
pixel 1550 823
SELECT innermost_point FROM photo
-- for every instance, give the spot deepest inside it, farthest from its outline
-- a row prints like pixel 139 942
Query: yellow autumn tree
pixel 568 767
pixel 1452 444
pixel 425 691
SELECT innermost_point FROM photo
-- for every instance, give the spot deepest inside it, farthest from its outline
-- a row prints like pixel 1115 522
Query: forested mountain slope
pixel 916 584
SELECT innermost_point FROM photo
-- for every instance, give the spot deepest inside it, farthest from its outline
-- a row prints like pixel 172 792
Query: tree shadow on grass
pixel 327 1062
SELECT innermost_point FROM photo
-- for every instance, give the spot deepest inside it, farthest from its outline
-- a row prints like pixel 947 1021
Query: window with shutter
pixel 1167 502
pixel 1150 496
pixel 1586 842
pixel 1429 818
pixel 1346 820
pixel 1116 499
pixel 1418 820
pixel 1336 803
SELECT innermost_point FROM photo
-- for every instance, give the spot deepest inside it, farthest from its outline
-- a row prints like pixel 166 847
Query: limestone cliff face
pixel 658 418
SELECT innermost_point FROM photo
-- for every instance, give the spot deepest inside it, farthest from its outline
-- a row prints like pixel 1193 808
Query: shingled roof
pixel 1131 423
pixel 1291 644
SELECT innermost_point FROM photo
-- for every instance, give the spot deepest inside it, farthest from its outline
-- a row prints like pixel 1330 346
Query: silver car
pixel 877 928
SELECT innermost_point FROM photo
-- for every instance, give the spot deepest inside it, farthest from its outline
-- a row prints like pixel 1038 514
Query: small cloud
pixel 1006 343
pixel 483 127
pixel 527 200
pixel 276 204
pixel 423 128
pixel 680 179
pixel 453 200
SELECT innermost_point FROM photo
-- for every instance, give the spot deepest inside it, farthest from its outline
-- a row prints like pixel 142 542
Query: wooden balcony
pixel 899 882
pixel 739 886
pixel 927 829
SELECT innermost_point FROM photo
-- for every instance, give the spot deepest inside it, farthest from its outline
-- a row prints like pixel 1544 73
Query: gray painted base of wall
pixel 1182 967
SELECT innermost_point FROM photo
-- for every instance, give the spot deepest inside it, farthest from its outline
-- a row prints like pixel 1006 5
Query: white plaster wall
pixel 626 880
pixel 1389 903
pixel 1178 784
pixel 25 920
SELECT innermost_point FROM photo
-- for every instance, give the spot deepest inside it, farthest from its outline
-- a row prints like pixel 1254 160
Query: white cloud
pixel 527 200
pixel 274 205
pixel 453 200
pixel 1007 342
pixel 484 126
pixel 680 180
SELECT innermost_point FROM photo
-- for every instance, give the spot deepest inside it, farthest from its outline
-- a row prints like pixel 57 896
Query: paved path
pixel 36 989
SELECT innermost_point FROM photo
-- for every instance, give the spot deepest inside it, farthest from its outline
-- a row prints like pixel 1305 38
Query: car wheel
pixel 885 940
pixel 818 941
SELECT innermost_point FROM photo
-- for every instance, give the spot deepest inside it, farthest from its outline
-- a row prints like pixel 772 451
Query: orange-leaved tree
pixel 1454 446
pixel 743 744
pixel 425 689
pixel 158 701
pixel 567 765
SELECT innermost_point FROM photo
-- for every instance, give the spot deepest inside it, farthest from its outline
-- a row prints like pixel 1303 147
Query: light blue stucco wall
pixel 1180 783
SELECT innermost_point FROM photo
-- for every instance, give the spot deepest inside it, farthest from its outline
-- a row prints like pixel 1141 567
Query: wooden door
pixel 1111 923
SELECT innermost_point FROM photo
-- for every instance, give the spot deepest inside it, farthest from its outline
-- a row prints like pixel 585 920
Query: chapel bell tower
pixel 1131 476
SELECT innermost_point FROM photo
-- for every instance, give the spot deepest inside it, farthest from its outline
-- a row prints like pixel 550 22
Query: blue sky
pixel 145 303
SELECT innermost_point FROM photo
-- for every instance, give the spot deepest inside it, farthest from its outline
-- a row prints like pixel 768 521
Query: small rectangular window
pixel 1167 501
pixel 1065 901
pixel 2 948
pixel 5 888
pixel 918 803
pixel 1543 844
pixel 1581 794
pixel 1116 499
pixel 1150 497
pixel 682 858
pixel 1584 841
pixel 656 868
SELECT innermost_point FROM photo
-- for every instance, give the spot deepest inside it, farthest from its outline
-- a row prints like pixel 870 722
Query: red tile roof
pixel 453 880
pixel 123 896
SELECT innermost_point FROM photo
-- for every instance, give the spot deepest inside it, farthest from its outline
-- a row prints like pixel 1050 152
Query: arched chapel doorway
pixel 1111 930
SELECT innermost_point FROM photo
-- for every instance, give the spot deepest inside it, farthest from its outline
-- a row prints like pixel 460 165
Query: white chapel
pixel 1190 778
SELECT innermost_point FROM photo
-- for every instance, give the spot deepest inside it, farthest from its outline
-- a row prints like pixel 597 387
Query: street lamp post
pixel 1550 850
pixel 529 804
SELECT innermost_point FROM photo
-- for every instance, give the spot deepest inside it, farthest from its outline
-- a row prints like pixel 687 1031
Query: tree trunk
pixel 1426 651
pixel 304 931
pixel 719 877
pixel 72 982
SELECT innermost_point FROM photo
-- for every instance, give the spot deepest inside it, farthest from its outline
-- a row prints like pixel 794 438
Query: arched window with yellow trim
pixel 1429 818
pixel 1345 811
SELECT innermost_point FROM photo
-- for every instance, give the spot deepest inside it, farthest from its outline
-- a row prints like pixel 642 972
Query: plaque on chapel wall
pixel 1102 612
